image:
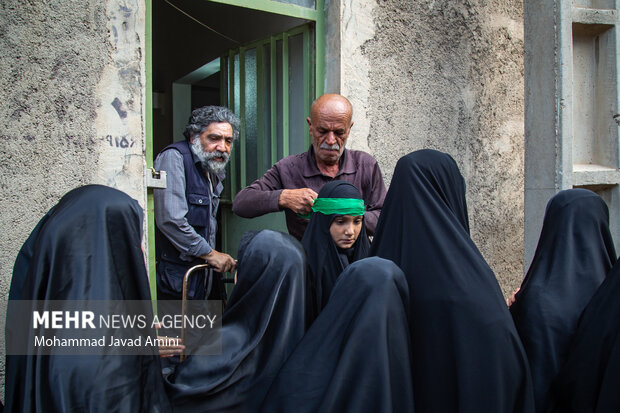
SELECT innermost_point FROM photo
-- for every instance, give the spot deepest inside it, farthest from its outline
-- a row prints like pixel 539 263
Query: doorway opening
pixel 258 59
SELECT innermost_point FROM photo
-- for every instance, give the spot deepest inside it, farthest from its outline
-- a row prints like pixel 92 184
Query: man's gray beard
pixel 206 158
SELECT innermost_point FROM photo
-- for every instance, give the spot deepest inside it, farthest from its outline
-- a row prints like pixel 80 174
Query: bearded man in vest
pixel 186 210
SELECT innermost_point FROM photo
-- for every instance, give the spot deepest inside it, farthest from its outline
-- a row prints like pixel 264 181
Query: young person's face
pixel 345 229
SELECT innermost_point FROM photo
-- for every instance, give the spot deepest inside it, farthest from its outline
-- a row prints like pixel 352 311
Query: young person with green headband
pixel 335 237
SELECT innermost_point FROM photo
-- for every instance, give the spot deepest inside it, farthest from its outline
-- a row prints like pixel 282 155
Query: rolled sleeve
pixel 260 197
pixel 171 208
pixel 374 199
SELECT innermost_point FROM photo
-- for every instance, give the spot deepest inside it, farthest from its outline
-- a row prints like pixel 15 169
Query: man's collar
pixel 311 169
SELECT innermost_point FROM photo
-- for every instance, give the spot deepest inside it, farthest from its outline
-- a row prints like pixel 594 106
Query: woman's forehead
pixel 349 216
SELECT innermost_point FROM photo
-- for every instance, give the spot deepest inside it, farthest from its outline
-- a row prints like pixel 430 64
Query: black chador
pixel 261 325
pixel 88 247
pixel 466 353
pixel 356 355
pixel 325 260
pixel 574 253
pixel 589 378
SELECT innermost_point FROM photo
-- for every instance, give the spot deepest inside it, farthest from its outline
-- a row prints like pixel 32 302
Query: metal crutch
pixel 184 299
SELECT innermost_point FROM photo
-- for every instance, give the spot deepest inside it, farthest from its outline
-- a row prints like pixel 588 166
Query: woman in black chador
pixel 335 237
pixel 356 355
pixel 466 353
pixel 88 247
pixel 589 379
pixel 261 325
pixel 574 253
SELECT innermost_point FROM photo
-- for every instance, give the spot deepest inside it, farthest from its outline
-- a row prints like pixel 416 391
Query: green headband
pixel 340 206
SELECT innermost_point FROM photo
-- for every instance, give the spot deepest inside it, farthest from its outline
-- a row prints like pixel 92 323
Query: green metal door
pixel 270 84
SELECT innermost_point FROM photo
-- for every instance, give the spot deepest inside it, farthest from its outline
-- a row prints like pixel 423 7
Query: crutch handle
pixel 184 299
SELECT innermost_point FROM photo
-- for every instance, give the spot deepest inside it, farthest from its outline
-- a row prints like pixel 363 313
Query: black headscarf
pixel 325 259
pixel 356 355
pixel 23 260
pixel 87 248
pixel 589 378
pixel 262 324
pixel 574 253
pixel 467 355
pixel 14 364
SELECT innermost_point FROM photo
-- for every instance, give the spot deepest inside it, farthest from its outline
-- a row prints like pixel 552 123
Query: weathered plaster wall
pixel 71 83
pixel 120 95
pixel 446 75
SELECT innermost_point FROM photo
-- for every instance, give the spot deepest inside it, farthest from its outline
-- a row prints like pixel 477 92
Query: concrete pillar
pixel 571 103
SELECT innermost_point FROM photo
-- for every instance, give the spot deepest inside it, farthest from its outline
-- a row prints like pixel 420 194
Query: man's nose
pixel 330 139
pixel 221 146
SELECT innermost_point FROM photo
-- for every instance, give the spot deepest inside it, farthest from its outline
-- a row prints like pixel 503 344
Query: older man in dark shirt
pixel 292 183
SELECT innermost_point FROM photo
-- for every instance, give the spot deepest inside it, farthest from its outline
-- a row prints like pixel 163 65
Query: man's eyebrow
pixel 215 135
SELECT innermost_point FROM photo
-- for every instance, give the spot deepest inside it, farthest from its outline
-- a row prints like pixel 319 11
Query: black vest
pixel 202 206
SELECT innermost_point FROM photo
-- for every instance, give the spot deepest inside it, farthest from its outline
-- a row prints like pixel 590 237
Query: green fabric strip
pixel 339 206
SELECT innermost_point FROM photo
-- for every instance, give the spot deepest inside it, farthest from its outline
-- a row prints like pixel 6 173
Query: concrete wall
pixel 72 87
pixel 421 74
pixel 445 75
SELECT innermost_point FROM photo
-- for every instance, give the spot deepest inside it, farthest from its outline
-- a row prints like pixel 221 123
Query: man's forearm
pixel 252 202
pixel 370 220
pixel 261 196
pixel 184 238
pixel 374 200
